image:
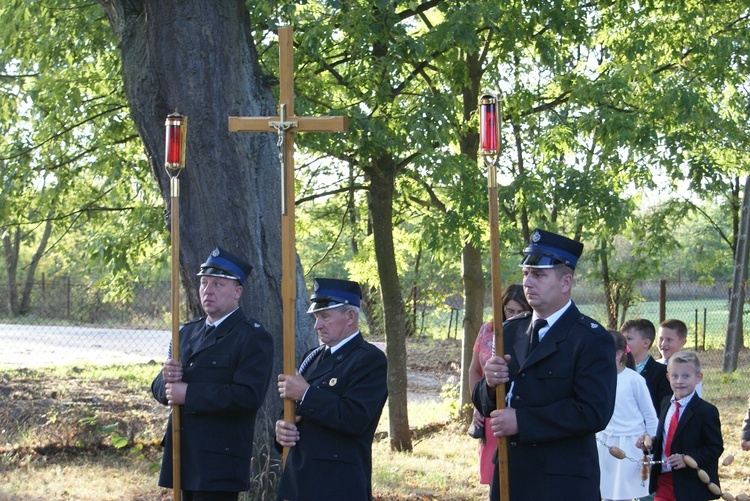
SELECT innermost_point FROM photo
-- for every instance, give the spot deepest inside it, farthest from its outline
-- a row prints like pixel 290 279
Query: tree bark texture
pixel 199 58
pixel 735 339
pixel 382 183
pixel 471 255
pixel 474 288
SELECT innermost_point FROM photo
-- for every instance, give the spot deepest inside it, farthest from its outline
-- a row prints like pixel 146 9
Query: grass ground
pixel 64 451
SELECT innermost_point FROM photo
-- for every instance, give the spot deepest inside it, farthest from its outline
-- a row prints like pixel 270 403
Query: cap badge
pixel 333 381
pixel 594 326
pixel 215 252
pixel 535 237
pixel 316 286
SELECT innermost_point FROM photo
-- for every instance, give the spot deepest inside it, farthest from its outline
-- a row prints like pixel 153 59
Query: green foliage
pixel 597 102
pixel 601 103
pixel 69 150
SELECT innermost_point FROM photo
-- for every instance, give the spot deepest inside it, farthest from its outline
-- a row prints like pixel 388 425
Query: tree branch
pixel 356 187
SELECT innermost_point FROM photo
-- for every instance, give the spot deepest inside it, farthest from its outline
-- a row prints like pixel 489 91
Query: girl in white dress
pixel 634 415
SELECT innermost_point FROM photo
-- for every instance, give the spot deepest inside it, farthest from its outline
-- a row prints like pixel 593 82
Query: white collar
pixel 216 324
pixel 683 401
pixel 555 316
pixel 343 342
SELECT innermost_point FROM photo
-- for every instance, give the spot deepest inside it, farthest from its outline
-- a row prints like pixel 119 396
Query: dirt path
pixel 423 385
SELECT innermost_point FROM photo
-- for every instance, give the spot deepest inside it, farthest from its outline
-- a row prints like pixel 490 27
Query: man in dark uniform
pixel 220 382
pixel 561 376
pixel 340 390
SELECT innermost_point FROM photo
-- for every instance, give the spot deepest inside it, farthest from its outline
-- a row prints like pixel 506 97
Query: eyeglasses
pixel 510 312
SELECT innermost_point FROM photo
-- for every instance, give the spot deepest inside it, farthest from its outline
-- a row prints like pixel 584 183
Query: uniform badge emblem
pixel 316 286
pixel 594 326
pixel 333 381
pixel 536 237
pixel 215 252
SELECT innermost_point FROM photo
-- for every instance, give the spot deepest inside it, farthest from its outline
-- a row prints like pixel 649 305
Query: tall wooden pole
pixel 489 123
pixel 176 424
pixel 174 163
pixel 288 237
pixel 286 125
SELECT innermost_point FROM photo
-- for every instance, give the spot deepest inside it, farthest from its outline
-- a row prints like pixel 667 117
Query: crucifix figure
pixel 285 125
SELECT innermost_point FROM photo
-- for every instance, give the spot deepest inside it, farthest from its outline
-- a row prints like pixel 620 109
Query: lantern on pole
pixel 174 162
pixel 174 158
pixel 489 128
pixel 489 149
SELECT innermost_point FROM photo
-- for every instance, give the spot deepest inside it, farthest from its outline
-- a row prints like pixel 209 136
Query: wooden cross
pixel 286 124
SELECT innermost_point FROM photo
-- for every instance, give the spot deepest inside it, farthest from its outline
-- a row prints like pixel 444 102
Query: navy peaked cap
pixel 332 292
pixel 550 250
pixel 222 263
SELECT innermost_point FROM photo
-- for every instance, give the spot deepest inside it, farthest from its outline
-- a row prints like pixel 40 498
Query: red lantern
pixel 176 125
pixel 489 125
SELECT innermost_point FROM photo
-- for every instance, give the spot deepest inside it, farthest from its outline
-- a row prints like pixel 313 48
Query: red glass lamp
pixel 489 125
pixel 176 125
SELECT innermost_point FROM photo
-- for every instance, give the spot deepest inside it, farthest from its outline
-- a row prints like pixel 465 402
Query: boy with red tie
pixel 688 425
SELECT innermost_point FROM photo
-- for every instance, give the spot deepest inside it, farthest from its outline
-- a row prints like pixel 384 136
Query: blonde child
pixel 688 425
pixel 634 415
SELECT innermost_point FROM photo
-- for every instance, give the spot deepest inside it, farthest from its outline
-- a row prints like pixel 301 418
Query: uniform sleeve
pixel 746 427
pixel 158 390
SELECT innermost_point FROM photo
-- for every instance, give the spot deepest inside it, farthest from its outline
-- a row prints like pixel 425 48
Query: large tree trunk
pixel 471 255
pixel 734 340
pixel 473 280
pixel 382 180
pixel 199 58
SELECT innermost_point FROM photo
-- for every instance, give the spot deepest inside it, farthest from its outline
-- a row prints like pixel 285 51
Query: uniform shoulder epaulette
pixel 590 323
pixel 199 319
pixel 253 323
pixel 520 316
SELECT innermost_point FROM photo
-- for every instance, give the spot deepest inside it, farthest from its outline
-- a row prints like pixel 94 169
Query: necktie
pixel 539 324
pixel 208 331
pixel 325 355
pixel 672 427
pixel 306 362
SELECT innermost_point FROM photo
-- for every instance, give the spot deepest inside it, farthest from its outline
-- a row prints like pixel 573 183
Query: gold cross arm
pixel 302 124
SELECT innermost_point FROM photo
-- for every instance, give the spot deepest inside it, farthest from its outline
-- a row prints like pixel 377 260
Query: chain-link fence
pixel 64 318
pixel 65 322
pixel 704 308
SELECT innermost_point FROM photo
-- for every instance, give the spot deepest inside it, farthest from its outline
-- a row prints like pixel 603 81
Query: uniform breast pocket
pixel 555 377
pixel 214 368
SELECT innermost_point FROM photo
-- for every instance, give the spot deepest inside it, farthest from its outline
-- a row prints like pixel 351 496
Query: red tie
pixel 672 427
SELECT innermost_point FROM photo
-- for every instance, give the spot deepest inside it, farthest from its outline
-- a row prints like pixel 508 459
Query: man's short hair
pixel 684 357
pixel 348 307
pixel 643 326
pixel 676 325
pixel 563 270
